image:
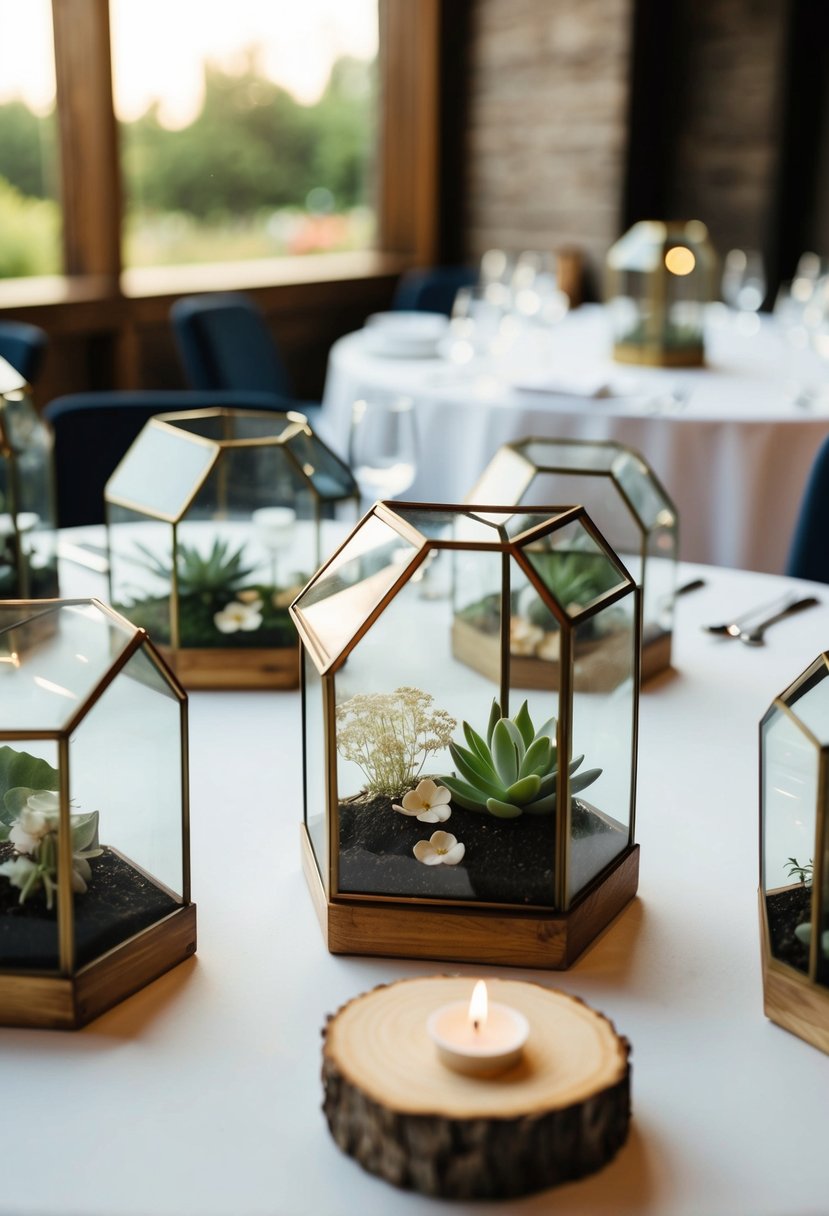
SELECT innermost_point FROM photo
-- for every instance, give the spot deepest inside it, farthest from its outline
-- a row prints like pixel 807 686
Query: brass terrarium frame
pixel 511 462
pixel 796 1001
pixel 203 667
pixel 75 996
pixel 477 930
pixel 646 249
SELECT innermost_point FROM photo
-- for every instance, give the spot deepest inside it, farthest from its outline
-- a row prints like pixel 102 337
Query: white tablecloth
pixel 200 1096
pixel 734 457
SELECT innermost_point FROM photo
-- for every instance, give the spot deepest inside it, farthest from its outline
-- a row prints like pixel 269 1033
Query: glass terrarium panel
pixel 504 480
pixel 811 703
pixel 352 585
pixel 659 586
pixel 604 712
pixel 316 766
pixel 63 654
pixel 600 497
pixel 29 835
pixel 28 561
pixel 126 767
pixel 822 974
pixel 140 575
pixel 408 720
pixel 329 477
pixel 789 809
pixel 236 579
pixel 573 567
pixel 646 496
pixel 161 471
pixel 224 426
pixel 550 455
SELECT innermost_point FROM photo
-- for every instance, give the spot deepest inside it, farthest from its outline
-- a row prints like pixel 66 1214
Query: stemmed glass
pixel 382 446
pixel 744 285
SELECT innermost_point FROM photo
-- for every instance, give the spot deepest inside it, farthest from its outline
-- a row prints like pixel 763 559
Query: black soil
pixel 506 860
pixel 786 910
pixel 119 902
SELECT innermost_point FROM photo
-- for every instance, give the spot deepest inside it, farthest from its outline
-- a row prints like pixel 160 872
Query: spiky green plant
pixel 220 571
pixel 514 770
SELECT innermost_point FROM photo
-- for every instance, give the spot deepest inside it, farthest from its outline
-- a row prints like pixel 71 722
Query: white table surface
pixel 200 1096
pixel 734 458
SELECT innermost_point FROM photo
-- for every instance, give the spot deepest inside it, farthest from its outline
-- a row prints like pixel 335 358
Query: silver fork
pixel 754 636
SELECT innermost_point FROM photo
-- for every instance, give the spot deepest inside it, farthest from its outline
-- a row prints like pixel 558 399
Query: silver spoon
pixel 754 636
pixel 734 628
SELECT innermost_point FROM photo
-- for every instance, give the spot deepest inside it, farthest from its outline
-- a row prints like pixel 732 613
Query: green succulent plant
pixel 514 770
pixel 221 570
pixel 573 577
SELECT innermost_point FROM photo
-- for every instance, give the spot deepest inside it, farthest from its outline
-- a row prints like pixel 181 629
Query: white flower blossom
pixel 441 849
pixel 37 817
pixel 235 616
pixel 429 802
pixel 17 870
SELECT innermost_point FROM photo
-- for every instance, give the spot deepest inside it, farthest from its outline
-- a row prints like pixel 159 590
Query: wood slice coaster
pixel 560 1113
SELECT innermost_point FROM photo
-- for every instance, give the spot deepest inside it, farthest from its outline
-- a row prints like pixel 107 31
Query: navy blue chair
pixel 225 343
pixel 809 552
pixel 24 346
pixel 432 288
pixel 93 431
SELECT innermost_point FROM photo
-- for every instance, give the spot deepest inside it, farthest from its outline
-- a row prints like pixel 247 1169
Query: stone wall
pixel 547 117
pixel 547 105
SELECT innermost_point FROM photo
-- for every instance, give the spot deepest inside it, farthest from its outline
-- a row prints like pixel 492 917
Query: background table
pixel 734 457
pixel 200 1096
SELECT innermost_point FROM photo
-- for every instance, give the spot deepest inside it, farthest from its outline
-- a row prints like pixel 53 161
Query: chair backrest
pixel 809 552
pixel 92 432
pixel 225 343
pixel 432 288
pixel 24 346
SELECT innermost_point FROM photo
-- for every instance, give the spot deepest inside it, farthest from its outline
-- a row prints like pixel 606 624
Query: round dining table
pixel 732 442
pixel 201 1094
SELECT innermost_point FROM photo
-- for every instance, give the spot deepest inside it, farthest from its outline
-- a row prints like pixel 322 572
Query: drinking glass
pixel 744 280
pixel 382 446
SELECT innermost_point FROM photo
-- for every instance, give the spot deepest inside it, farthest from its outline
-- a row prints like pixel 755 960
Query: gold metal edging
pixel 66 911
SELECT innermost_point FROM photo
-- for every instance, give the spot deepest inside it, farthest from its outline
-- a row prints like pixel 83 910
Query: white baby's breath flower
pixel 429 802
pixel 235 616
pixel 441 849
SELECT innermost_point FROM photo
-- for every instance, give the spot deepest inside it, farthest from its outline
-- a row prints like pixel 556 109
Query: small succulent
pixel 221 570
pixel 513 770
pixel 573 577
pixel 798 871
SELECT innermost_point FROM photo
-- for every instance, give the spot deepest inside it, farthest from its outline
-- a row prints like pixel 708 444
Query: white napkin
pixel 575 384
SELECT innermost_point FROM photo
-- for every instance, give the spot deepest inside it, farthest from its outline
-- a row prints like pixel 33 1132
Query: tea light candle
pixel 479 1038
pixel 276 525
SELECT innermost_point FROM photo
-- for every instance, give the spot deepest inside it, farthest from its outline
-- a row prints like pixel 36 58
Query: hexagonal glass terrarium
pixel 659 279
pixel 28 552
pixel 794 856
pixel 215 519
pixel 94 864
pixel 625 500
pixel 454 807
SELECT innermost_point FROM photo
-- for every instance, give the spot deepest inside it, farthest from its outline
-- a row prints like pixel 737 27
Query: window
pixel 30 220
pixel 246 130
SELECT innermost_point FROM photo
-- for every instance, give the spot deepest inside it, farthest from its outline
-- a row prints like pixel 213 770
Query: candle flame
pixel 478 1006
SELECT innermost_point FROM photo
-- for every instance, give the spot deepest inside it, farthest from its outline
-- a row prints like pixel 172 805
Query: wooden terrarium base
pixel 561 1112
pixel 472 933
pixel 789 998
pixel 67 1003
pixel 685 356
pixel 600 665
pixel 234 667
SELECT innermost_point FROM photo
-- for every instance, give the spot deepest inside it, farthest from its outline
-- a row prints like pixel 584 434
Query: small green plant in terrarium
pixel 513 770
pixel 801 872
pixel 218 596
pixel 29 825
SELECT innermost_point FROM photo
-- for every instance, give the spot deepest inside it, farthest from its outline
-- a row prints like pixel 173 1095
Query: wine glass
pixel 382 446
pixel 744 285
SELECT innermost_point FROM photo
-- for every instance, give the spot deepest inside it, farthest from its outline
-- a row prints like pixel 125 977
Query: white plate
pixel 406 335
